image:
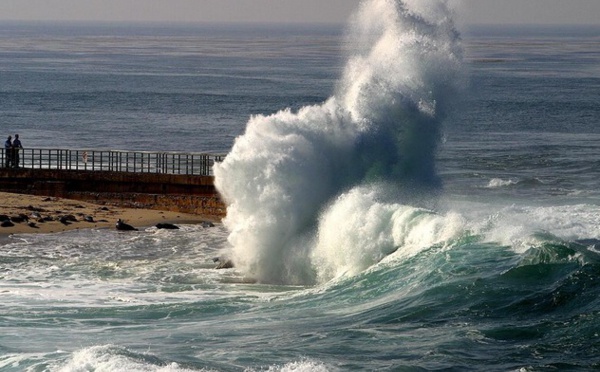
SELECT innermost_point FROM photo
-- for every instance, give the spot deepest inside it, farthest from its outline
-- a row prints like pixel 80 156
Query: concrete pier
pixel 173 192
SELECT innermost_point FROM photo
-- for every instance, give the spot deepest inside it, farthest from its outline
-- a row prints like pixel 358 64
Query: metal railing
pixel 196 164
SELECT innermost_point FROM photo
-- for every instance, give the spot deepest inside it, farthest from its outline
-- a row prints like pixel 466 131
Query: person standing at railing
pixel 16 146
pixel 8 152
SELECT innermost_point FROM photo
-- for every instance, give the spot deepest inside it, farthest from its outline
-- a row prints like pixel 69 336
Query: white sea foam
pixel 302 366
pixel 497 182
pixel 106 268
pixel 359 231
pixel 523 226
pixel 113 358
pixel 380 128
pixel 518 226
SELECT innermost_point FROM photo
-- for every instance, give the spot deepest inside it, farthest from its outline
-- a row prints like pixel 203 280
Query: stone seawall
pixel 182 193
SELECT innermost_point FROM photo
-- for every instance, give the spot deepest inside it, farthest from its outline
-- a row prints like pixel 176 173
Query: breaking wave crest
pixel 351 166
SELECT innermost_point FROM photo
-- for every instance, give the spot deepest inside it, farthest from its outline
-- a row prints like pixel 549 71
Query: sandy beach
pixel 40 214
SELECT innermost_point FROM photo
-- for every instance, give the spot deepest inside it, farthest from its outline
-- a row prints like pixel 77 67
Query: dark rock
pixel 34 209
pixel 19 219
pixel 224 264
pixel 122 226
pixel 88 218
pixel 33 225
pixel 168 226
pixel 206 224
pixel 7 223
pixel 70 218
pixel 4 217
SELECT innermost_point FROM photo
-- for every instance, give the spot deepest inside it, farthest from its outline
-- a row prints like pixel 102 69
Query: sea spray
pixel 378 132
pixel 359 230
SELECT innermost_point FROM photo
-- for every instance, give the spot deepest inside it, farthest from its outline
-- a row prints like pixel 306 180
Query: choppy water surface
pixel 428 203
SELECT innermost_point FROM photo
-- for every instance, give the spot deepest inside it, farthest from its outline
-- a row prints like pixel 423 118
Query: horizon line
pixel 266 23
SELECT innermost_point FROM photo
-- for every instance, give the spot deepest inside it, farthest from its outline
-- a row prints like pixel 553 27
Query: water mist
pixel 329 190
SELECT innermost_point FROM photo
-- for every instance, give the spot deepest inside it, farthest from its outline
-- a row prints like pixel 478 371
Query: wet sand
pixel 40 214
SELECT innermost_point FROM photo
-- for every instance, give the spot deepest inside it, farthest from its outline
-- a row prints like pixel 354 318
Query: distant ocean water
pixel 157 87
pixel 429 201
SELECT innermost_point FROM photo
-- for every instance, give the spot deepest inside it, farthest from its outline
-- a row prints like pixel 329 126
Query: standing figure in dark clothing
pixel 8 152
pixel 16 146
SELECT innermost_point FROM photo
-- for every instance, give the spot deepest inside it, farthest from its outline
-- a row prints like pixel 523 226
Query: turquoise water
pixel 471 245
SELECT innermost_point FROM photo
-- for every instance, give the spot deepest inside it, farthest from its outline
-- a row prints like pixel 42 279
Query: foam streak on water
pixel 375 136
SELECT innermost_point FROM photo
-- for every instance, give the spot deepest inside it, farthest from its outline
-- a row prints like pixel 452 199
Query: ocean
pixel 404 195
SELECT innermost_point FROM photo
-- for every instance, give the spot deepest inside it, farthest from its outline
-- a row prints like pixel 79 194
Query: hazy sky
pixel 472 11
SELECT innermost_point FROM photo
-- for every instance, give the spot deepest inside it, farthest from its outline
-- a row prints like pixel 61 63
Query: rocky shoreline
pixel 27 214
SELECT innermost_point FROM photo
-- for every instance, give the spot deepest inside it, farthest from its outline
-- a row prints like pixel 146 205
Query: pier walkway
pixel 192 164
pixel 139 179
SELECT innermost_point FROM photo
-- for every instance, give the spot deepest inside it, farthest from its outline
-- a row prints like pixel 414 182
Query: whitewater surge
pixel 331 189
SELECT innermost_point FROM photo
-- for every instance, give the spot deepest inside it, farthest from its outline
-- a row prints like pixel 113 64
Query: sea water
pixel 405 195
pixel 157 87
